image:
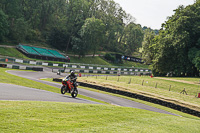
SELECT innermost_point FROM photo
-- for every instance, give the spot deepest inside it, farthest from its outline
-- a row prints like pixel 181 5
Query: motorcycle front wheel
pixel 63 90
pixel 74 92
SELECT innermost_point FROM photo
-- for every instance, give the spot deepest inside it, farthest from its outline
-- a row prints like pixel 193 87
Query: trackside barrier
pixel 90 67
pixel 21 67
pixel 97 72
pixel 3 65
pixel 144 98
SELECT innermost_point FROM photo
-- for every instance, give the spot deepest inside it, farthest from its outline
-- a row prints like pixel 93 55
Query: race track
pixel 20 93
pixel 36 76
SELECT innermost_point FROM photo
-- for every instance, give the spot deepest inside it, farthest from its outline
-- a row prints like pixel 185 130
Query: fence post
pixel 170 88
pixel 142 82
pixel 106 77
pixel 129 81
pixel 156 85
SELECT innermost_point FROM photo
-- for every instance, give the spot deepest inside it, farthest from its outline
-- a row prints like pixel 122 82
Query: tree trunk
pixel 94 52
pixel 66 50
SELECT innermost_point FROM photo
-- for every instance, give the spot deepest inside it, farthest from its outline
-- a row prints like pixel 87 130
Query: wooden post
pixel 170 88
pixel 118 79
pixel 142 82
pixel 156 85
pixel 106 77
pixel 129 81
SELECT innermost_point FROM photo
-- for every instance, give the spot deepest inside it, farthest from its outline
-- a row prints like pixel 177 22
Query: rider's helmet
pixel 72 73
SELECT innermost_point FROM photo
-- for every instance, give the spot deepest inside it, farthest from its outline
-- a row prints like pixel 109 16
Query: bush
pixel 110 57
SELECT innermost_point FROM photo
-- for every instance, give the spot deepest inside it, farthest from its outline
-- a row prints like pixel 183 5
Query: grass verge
pixel 25 116
pixel 146 86
pixel 20 116
pixel 12 52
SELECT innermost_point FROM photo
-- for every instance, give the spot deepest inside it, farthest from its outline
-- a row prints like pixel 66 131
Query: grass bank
pixel 101 61
pixel 151 87
pixel 89 60
pixel 12 52
pixel 136 100
pixel 68 117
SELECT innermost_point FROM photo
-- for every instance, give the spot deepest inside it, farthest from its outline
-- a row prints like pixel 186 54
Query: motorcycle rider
pixel 72 77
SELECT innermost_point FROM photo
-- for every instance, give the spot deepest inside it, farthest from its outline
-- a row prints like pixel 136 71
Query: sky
pixel 151 13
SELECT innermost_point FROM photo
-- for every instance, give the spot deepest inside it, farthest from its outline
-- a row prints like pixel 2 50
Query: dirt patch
pixel 182 81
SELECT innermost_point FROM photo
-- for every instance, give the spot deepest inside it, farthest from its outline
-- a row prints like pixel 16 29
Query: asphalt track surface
pixel 20 93
pixel 13 92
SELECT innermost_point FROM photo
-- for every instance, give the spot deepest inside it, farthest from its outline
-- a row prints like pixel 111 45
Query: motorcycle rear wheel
pixel 74 92
pixel 63 90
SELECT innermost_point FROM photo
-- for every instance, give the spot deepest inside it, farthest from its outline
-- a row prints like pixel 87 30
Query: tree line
pixel 71 25
pixel 84 26
pixel 176 49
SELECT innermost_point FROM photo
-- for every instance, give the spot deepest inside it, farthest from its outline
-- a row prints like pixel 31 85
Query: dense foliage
pixel 76 25
pixel 176 50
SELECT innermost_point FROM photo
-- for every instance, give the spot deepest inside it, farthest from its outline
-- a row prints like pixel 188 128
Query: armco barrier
pixel 21 67
pixel 37 69
pixel 57 80
pixel 90 67
pixel 144 98
pixel 3 65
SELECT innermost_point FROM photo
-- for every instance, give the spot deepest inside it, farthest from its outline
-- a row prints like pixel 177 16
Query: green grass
pixel 149 88
pixel 136 100
pixel 100 61
pixel 144 102
pixel 89 60
pixel 12 52
pixel 194 80
pixel 132 64
pixel 20 116
pixel 12 79
pixel 25 116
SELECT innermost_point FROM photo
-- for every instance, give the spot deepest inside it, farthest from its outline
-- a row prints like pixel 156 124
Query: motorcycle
pixel 69 87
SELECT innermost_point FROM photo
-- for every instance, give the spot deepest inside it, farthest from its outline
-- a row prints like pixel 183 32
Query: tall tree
pixel 92 33
pixel 177 44
pixel 3 25
pixel 133 38
pixel 148 46
pixel 77 12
